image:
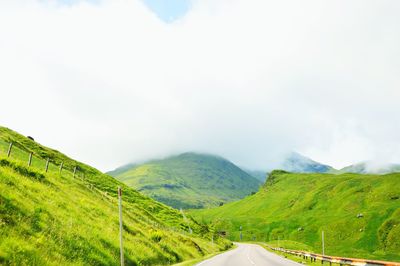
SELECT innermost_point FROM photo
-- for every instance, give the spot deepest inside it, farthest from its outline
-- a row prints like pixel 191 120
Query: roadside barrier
pixel 333 259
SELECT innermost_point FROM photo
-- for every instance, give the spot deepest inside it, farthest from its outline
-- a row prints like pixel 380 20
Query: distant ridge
pixel 370 168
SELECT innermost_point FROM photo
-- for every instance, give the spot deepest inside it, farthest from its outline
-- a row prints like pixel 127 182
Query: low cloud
pixel 108 82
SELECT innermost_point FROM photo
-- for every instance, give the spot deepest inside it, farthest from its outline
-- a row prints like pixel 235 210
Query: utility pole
pixel 120 225
pixel 323 243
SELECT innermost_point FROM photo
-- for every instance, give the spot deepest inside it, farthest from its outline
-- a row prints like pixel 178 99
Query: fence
pixel 338 260
pixel 18 153
pixel 70 169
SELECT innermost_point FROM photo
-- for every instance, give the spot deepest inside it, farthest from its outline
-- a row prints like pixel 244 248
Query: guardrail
pixel 333 259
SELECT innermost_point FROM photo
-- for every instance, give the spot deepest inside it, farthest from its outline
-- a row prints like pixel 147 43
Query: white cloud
pixel 110 83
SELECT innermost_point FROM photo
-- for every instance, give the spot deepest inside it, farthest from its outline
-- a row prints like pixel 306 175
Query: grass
pixel 54 218
pixel 298 207
pixel 189 180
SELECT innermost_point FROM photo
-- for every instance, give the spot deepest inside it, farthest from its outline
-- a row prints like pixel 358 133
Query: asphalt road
pixel 248 255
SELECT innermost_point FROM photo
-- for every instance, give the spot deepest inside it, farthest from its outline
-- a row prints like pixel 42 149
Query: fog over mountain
pixel 109 82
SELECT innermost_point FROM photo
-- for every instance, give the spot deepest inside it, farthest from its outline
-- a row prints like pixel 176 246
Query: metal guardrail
pixel 338 260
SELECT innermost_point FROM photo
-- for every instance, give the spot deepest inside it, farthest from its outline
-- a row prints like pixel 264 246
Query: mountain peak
pixel 190 180
pixel 296 162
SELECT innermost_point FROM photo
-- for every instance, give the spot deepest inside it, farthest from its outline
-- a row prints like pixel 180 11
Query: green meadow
pixel 57 218
pixel 359 214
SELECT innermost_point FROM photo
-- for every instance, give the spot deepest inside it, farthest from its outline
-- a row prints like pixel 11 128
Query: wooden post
pixel 9 149
pixel 61 166
pixel 30 159
pixel 120 225
pixel 47 164
pixel 74 171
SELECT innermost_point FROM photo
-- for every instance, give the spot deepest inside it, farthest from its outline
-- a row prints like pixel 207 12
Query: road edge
pixel 204 258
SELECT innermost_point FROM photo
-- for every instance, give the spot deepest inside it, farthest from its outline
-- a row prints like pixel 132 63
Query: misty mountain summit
pixel 189 180
pixel 298 163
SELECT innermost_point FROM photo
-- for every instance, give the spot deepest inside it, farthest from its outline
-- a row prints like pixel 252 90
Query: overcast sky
pixel 111 82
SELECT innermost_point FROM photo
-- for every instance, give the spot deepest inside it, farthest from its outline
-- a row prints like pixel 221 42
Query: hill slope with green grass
pixel 360 214
pixel 189 180
pixel 57 218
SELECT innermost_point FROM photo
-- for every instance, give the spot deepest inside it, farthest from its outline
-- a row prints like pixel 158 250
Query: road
pixel 248 255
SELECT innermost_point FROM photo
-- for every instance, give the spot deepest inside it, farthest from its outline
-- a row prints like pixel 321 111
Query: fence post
pixel 9 149
pixel 30 159
pixel 61 166
pixel 47 164
pixel 74 171
pixel 120 225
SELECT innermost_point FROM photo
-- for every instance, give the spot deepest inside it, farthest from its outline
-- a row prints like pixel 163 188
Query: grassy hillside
pixel 55 218
pixel 298 207
pixel 189 180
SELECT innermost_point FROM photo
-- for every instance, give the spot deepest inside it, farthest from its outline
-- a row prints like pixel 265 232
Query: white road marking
pixel 248 256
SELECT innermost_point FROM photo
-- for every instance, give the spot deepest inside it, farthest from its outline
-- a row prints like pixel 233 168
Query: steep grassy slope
pixel 52 218
pixel 298 207
pixel 190 180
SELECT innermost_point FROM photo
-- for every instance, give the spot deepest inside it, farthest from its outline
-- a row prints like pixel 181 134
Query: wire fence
pixel 69 169
pixel 17 152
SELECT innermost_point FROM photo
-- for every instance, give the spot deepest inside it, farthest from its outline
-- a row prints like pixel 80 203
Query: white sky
pixel 110 83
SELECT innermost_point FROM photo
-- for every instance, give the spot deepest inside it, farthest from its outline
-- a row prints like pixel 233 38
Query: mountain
pixel 359 214
pixel 190 180
pixel 58 217
pixel 293 162
pixel 369 167
pixel 298 163
pixel 258 174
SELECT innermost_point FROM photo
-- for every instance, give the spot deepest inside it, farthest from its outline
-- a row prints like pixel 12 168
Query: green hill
pixel 360 214
pixel 57 218
pixel 189 180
